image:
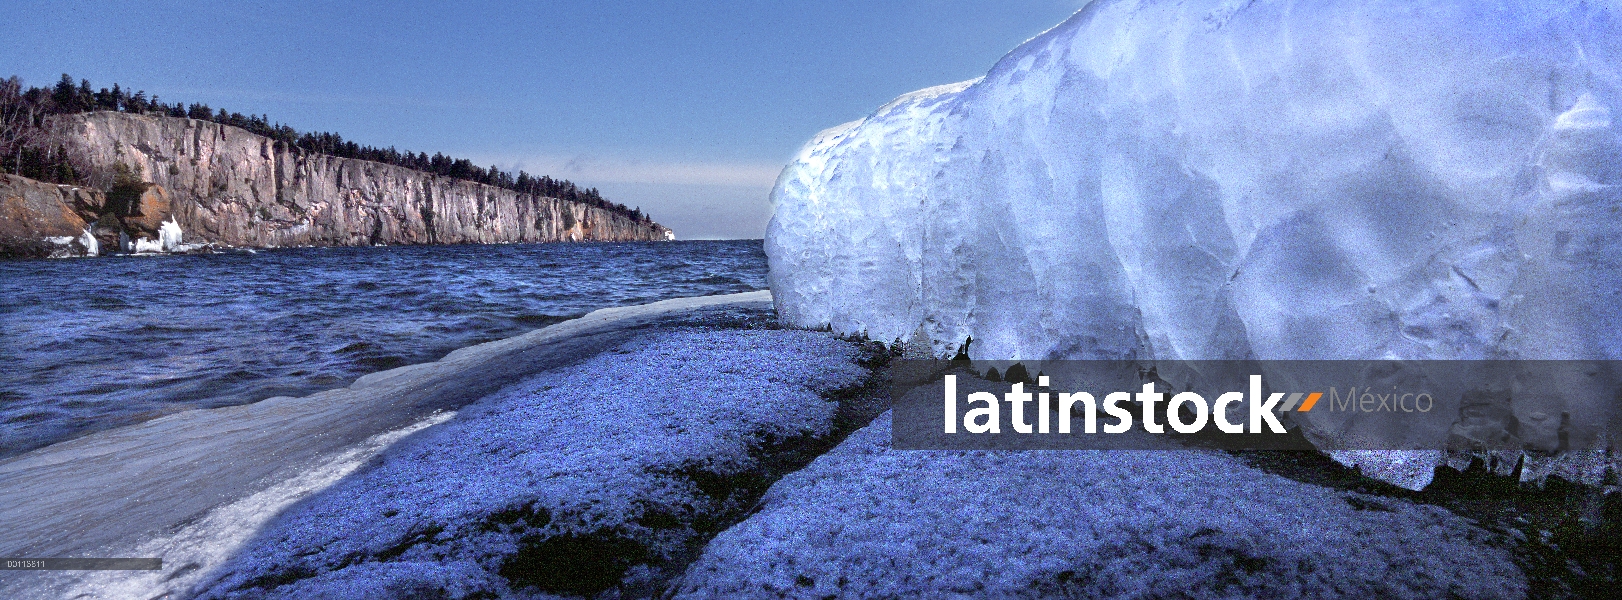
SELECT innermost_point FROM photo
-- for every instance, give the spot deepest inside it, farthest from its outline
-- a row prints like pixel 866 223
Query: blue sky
pixel 686 109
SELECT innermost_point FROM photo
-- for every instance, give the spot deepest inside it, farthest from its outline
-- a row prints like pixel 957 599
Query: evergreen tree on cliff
pixel 17 154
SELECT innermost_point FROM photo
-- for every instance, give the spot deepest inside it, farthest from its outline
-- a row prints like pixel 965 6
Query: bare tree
pixel 16 119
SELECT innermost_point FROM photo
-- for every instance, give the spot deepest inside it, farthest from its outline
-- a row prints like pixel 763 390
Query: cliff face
pixel 226 185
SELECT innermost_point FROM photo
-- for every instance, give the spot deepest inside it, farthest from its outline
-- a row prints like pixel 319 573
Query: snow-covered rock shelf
pixel 194 487
pixel 865 521
pixel 596 476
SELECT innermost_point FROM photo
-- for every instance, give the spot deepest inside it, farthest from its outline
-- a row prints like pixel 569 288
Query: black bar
pixel 1551 407
pixel 81 564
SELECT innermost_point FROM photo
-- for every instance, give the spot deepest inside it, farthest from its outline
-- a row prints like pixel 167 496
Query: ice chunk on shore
pixel 88 240
pixel 145 245
pixel 169 235
pixel 1351 179
pixel 1355 179
pixel 69 246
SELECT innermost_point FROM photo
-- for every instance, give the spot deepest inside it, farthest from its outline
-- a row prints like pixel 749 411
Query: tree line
pixel 24 149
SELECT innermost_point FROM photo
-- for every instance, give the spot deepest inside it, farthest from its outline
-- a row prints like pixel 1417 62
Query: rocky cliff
pixel 41 219
pixel 224 185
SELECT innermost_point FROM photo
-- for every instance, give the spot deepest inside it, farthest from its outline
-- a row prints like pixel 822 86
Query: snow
pixel 147 245
pixel 88 246
pixel 1351 179
pixel 867 521
pixel 88 240
pixel 169 235
pixel 597 451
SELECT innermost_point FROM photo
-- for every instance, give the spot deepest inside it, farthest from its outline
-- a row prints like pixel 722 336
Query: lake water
pixel 90 344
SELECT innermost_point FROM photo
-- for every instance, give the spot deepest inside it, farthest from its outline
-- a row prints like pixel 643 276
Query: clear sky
pixel 686 109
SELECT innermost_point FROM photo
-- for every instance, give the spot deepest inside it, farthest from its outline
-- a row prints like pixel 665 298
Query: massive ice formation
pixel 1219 179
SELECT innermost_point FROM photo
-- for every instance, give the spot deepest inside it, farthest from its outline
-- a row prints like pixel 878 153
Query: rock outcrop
pixel 40 219
pixel 224 185
pixel 146 213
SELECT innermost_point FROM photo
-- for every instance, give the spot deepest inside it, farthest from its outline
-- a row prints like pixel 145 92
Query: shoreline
pixel 108 343
pixel 132 482
pixel 311 453
pixel 210 248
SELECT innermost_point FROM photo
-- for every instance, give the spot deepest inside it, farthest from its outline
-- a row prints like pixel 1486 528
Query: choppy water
pixel 90 344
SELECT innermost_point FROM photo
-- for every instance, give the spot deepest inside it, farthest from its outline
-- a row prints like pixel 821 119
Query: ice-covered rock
pixel 1219 179
pixel 39 219
pixel 145 245
pixel 169 235
pixel 66 246
pixel 91 245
